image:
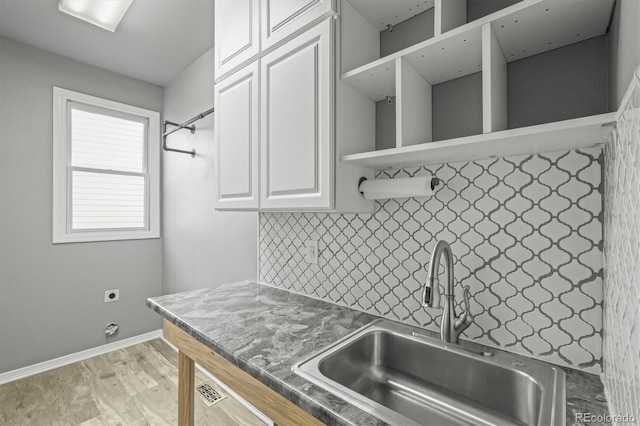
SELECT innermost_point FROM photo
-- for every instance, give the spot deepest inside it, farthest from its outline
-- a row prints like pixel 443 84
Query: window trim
pixel 62 169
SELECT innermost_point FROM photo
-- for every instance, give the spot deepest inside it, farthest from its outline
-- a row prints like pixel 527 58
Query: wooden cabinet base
pixel 272 404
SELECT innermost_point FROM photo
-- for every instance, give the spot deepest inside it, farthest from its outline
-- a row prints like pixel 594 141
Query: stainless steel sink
pixel 405 378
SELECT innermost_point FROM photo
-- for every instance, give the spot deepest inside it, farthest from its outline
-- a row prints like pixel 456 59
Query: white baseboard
pixel 41 367
pixel 259 414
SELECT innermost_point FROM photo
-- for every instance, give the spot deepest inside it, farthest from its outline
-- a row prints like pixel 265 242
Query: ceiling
pixel 154 42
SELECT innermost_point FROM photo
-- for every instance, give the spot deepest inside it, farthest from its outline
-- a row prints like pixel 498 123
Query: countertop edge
pixel 277 385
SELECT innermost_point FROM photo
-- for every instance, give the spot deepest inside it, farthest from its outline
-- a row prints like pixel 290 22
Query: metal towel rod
pixel 185 125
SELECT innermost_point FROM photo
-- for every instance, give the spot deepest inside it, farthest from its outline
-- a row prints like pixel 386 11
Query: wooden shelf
pixel 524 29
pixel 381 13
pixel 455 55
pixel 561 135
pixel 436 59
pixel 376 80
pixel 546 25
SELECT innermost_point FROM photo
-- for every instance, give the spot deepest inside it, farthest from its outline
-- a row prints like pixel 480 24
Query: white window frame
pixel 62 232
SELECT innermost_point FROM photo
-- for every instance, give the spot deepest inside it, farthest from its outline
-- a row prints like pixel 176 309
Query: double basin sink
pixel 406 378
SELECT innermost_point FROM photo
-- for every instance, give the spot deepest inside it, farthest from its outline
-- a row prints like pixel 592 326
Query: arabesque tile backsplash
pixel 526 233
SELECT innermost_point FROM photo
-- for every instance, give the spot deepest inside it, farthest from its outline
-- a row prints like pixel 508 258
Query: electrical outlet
pixel 112 295
pixel 311 252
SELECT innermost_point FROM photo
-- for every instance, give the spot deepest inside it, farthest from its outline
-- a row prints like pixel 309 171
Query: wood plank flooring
pixel 134 386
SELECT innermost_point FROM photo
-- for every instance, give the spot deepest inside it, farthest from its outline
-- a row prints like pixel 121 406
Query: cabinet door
pixel 281 18
pixel 237 33
pixel 236 136
pixel 296 135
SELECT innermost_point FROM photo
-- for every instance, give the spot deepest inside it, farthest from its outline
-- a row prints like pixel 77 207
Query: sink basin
pixel 406 378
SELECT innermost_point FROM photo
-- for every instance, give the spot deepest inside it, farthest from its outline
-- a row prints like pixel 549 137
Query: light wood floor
pixel 132 386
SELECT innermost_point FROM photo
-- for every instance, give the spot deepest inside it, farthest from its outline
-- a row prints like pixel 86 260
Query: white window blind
pixel 108 179
pixel 105 170
pixel 104 142
pixel 102 200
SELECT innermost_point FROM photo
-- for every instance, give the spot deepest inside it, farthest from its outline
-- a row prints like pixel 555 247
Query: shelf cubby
pixel 457 108
pixel 524 29
pixel 417 112
pixel 576 85
pixel 413 106
pixel 402 24
pixel 410 80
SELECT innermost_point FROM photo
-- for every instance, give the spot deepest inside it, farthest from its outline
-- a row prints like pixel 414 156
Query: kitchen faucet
pixel 451 326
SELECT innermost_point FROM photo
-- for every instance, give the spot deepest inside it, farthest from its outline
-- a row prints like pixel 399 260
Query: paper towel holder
pixel 434 183
pixel 362 179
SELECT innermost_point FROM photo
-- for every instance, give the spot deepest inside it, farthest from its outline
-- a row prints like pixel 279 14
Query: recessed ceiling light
pixel 105 14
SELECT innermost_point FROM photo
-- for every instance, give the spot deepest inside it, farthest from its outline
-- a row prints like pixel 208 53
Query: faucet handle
pixel 465 318
pixel 467 298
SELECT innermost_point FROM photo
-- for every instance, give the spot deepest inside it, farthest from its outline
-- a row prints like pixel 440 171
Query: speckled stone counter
pixel 585 394
pixel 264 331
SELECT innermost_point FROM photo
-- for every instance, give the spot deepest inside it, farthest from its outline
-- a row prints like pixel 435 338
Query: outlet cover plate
pixel 111 295
pixel 311 252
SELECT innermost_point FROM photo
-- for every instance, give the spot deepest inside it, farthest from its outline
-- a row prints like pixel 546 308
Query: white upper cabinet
pixel 281 18
pixel 282 118
pixel 237 33
pixel 296 122
pixel 236 140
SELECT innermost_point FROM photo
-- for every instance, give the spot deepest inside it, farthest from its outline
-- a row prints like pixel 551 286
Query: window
pixel 106 183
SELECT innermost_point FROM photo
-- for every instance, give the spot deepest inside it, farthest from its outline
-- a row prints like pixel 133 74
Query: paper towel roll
pixel 396 188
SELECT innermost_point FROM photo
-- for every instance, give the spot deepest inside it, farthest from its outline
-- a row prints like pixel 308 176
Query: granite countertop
pixel 264 331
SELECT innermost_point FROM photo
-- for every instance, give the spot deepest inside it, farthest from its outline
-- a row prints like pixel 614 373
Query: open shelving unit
pixel 459 49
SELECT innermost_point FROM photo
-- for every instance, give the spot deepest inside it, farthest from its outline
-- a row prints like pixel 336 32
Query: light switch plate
pixel 311 252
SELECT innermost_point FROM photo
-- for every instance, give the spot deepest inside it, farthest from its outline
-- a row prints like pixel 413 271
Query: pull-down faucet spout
pixel 451 326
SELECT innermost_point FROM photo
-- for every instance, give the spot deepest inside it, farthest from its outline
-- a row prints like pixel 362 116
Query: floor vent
pixel 209 394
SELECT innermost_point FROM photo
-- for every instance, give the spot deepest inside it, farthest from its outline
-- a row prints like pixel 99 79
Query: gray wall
pixel 200 245
pixel 51 302
pixel 624 48
pixel 386 124
pixel 476 9
pixel 407 33
pixel 457 107
pixel 561 84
